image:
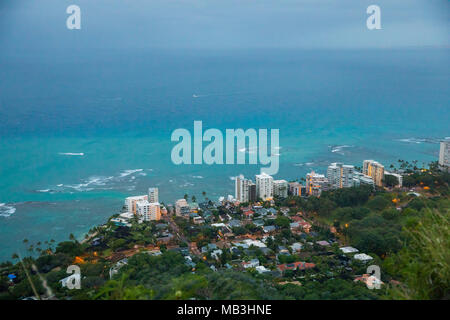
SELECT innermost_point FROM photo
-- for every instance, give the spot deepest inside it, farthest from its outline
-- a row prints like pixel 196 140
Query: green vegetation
pixel 406 233
pixel 424 263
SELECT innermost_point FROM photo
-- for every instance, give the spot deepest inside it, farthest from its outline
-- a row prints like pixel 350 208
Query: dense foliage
pixel 406 233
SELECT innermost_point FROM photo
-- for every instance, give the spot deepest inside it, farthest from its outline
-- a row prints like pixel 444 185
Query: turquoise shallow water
pixel 328 105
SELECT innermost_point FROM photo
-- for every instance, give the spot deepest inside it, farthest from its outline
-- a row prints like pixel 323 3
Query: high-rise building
pixel 347 176
pixel 280 188
pixel 315 183
pixel 375 170
pixel 237 187
pixel 130 203
pixel 252 192
pixel 399 177
pixel 334 175
pixel 362 179
pixel 182 208
pixel 148 211
pixel 340 175
pixel 153 195
pixel 444 155
pixel 264 186
pixel 242 189
pixel 295 188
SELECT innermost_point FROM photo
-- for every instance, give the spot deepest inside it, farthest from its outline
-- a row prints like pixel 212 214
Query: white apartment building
pixel 315 183
pixel 375 170
pixel 182 208
pixel 362 179
pixel 264 186
pixel 280 188
pixel 396 175
pixel 295 188
pixel 153 195
pixel 130 203
pixel 340 175
pixel 444 154
pixel 148 211
pixel 242 189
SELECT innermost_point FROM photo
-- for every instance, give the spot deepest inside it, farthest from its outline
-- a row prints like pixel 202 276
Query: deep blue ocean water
pixel 119 108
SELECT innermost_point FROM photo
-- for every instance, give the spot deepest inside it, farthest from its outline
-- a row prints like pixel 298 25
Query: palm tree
pixel 186 196
pixel 72 237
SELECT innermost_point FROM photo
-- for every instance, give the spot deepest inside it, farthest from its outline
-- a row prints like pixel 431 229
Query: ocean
pixel 80 132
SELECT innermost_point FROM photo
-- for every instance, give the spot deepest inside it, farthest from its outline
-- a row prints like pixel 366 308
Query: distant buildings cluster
pixel 231 217
pixel 145 207
pixel 341 175
pixel 265 188
pixel 338 176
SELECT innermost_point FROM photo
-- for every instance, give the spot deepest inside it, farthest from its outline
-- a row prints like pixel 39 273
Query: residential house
pixel 250 264
pixel 348 250
pixel 261 269
pixel 216 254
pixel 370 281
pixel 234 223
pixel 296 247
pixel 296 266
pixel 269 229
pixel 323 243
pixel 362 257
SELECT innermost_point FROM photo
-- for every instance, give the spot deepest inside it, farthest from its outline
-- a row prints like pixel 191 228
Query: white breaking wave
pixel 71 153
pixel 199 95
pixel 418 140
pixel 412 140
pixel 339 149
pixel 251 150
pixel 6 210
pixel 130 171
pixel 92 181
pixel 186 184
pixel 100 182
pixel 197 177
pixel 308 164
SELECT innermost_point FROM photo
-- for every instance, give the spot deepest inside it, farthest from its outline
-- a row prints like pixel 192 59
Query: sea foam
pixel 6 210
pixel 71 153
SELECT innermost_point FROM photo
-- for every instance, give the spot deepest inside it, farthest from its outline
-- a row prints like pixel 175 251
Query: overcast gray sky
pixel 218 24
